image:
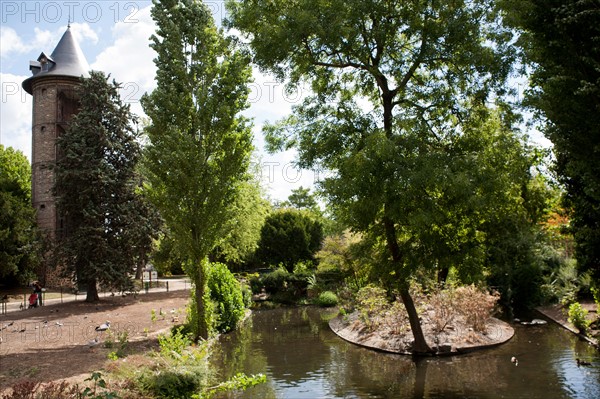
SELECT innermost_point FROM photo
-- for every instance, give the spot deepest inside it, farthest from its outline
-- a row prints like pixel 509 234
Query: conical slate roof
pixel 67 59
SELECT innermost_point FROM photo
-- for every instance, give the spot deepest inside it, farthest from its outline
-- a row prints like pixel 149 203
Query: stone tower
pixel 53 87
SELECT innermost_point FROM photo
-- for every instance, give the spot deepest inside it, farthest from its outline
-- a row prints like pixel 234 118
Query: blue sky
pixel 114 37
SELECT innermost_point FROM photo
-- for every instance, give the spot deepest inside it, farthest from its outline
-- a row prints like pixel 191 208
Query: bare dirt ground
pixel 54 342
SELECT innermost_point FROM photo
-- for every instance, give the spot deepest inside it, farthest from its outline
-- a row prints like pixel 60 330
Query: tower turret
pixel 54 89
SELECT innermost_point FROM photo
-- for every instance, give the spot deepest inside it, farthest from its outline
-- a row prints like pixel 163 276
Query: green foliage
pixel 181 369
pixel 239 382
pixel 200 145
pixel 165 258
pixel 20 243
pixel 250 211
pixel 175 344
pixel 95 189
pixel 226 293
pixel 563 283
pixel 289 236
pixel 564 93
pixel 247 295
pixel 208 313
pixel 283 286
pixel 281 281
pixel 301 198
pixel 93 392
pixel 596 293
pixel 577 317
pixel 326 299
pixel 122 344
pixel 371 303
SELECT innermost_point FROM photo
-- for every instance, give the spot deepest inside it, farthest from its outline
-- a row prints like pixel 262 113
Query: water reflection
pixel 302 359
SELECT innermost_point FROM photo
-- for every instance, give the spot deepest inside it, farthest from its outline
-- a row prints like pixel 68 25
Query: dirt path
pixel 53 342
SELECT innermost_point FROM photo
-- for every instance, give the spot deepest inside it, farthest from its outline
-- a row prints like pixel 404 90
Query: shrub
pixel 596 293
pixel 179 371
pixel 476 305
pixel 371 304
pixel 577 317
pixel 327 299
pixel 284 286
pixel 226 293
pixel 247 295
pixel 174 344
pixel 444 306
pixel 276 281
pixel 177 383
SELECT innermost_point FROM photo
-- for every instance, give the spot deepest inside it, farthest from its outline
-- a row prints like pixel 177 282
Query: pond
pixel 303 359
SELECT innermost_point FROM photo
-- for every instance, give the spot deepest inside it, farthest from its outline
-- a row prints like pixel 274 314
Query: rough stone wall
pixel 54 103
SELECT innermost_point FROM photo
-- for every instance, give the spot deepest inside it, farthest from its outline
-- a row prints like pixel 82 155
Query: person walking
pixel 37 289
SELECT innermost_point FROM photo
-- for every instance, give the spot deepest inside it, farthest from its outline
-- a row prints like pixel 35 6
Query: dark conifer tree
pixel 96 190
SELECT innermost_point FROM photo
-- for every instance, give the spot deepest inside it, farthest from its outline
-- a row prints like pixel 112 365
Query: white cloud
pixel 81 32
pixel 15 114
pixel 10 42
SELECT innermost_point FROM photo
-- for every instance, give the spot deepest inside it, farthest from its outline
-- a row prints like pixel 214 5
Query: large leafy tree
pixel 95 190
pixel 395 83
pixel 289 236
pixel 200 145
pixel 560 39
pixel 19 240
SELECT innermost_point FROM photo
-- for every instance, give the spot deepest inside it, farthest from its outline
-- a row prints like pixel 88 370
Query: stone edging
pixel 501 333
pixel 550 312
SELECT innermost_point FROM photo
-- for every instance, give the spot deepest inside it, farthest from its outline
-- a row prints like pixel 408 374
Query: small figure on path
pixel 37 289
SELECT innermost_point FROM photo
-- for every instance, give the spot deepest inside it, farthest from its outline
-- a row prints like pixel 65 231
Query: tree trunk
pixel 443 276
pixel 92 291
pixel 201 308
pixel 140 266
pixel 420 345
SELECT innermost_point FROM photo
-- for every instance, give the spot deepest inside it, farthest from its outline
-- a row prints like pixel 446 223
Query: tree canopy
pixel 199 145
pixel 397 85
pixel 95 189
pixel 301 198
pixel 560 43
pixel 250 210
pixel 289 236
pixel 19 240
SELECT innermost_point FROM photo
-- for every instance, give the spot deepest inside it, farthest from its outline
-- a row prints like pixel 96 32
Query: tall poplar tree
pixel 200 145
pixel 95 188
pixel 396 83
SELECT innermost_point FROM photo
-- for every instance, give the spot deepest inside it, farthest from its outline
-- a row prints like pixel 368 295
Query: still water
pixel 303 359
